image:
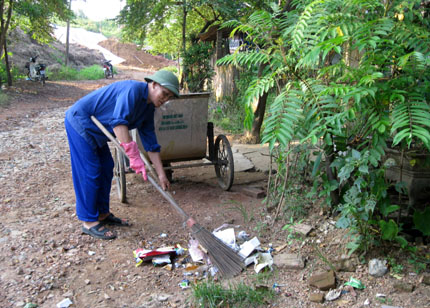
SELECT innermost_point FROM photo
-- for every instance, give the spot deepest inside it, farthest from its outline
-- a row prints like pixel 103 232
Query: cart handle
pixel 166 194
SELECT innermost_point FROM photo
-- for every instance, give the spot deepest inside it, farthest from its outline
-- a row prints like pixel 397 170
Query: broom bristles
pixel 228 262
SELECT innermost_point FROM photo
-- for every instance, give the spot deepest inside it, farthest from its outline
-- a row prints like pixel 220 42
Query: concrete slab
pixel 241 163
pixel 256 153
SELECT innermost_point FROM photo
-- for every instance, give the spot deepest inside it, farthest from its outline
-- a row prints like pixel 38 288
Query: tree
pixel 32 16
pixel 347 76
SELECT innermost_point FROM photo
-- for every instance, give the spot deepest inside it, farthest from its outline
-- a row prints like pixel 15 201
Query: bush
pixel 67 73
pixel 3 99
pixel 3 74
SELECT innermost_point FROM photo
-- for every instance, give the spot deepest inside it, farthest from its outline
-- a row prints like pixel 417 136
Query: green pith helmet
pixel 166 79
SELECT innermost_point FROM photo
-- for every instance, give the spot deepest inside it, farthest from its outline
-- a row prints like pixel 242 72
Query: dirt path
pixel 44 258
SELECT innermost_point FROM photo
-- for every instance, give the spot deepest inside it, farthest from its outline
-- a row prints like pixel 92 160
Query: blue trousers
pixel 92 172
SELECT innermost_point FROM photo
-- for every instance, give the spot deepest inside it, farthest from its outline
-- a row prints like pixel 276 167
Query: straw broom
pixel 228 262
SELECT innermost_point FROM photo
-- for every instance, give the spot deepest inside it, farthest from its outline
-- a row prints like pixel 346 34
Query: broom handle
pixel 164 193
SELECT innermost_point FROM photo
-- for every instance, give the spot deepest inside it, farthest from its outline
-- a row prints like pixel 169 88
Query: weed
pixel 260 228
pixel 395 267
pixel 292 235
pixel 264 277
pixel 417 265
pixel 239 207
pixel 210 294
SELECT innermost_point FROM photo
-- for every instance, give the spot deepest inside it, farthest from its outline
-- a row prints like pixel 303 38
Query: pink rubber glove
pixel 136 162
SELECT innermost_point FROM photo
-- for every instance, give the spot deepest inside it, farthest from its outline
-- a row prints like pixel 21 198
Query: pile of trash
pixel 194 259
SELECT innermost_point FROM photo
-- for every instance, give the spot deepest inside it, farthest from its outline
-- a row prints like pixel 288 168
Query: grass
pixel 3 99
pixel 93 72
pixel 240 208
pixel 210 294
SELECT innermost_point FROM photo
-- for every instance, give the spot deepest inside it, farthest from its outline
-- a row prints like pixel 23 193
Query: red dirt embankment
pixel 134 56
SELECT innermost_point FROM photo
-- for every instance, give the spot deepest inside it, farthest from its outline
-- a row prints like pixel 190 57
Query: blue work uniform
pixel 120 103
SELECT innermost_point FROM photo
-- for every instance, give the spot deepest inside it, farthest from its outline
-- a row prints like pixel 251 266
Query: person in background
pixel 120 107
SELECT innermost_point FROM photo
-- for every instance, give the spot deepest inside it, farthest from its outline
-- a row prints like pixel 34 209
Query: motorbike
pixel 36 71
pixel 108 69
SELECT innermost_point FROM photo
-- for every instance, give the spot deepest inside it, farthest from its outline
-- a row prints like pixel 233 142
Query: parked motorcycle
pixel 36 71
pixel 108 69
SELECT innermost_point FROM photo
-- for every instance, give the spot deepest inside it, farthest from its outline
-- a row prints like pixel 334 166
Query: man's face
pixel 159 95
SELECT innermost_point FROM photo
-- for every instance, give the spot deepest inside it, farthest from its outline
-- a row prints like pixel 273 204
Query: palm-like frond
pixel 411 120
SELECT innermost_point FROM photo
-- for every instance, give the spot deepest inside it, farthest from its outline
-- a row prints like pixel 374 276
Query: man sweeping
pixel 120 107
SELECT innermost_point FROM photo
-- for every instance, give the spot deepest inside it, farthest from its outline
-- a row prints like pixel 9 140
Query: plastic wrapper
pixel 142 255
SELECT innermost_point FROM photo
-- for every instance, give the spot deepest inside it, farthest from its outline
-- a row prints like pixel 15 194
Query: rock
pixel 404 287
pixel 316 297
pixel 289 261
pixel 344 265
pixel 163 297
pixel 324 281
pixel 426 279
pixel 254 192
pixel 302 229
pixel 377 268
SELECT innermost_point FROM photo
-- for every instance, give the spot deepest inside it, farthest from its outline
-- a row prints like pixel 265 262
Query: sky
pixel 97 10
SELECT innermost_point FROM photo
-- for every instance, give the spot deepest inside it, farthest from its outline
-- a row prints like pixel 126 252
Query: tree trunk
pixel 4 23
pixel 329 153
pixel 254 134
pixel 6 60
pixel 67 36
pixel 184 27
pixel 258 118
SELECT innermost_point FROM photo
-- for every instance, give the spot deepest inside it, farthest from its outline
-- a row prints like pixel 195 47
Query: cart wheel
pixel 224 164
pixel 119 174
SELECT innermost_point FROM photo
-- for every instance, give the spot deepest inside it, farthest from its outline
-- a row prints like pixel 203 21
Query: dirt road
pixel 45 259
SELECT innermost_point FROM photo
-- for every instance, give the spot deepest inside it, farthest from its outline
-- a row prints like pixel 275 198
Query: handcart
pixel 184 133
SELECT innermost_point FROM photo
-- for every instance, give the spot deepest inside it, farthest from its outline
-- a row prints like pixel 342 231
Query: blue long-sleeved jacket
pixel 120 103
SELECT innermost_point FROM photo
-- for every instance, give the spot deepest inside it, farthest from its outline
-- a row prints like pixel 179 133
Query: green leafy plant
pixel 418 266
pixel 395 267
pixel 292 235
pixel 196 67
pixel 345 82
pixel 421 221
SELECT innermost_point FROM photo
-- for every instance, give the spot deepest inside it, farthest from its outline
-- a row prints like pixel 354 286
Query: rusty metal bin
pixel 183 131
pixel 181 127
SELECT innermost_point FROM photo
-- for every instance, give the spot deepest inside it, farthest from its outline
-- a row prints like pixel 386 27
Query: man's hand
pixel 164 182
pixel 136 162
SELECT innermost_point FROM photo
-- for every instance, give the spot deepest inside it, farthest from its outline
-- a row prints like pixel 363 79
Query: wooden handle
pixel 164 193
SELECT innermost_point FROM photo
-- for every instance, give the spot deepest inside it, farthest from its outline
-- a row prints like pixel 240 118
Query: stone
pixel 163 297
pixel 289 261
pixel 254 192
pixel 302 229
pixel 344 265
pixel 316 297
pixel 404 287
pixel 426 279
pixel 377 268
pixel 324 281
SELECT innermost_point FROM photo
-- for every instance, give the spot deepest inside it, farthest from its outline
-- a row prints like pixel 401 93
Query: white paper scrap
pixel 227 236
pixel 263 260
pixel 248 247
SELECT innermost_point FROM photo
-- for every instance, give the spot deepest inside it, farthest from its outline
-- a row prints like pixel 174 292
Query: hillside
pixel 22 47
pixel 86 49
pixel 134 56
